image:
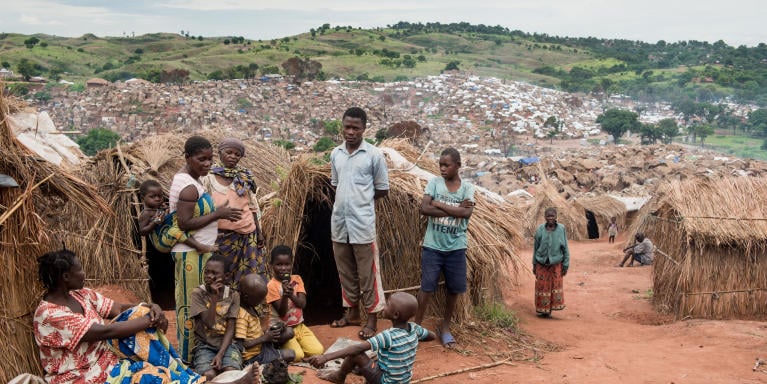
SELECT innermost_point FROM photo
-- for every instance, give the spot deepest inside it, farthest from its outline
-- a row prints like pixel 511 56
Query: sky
pixel 737 22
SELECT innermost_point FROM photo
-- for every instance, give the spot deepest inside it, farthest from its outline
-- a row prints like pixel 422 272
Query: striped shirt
pixel 396 349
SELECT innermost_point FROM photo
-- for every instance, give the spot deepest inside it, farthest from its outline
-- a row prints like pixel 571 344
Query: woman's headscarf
pixel 242 178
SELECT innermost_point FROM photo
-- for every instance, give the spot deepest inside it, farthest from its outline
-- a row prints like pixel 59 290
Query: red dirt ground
pixel 608 333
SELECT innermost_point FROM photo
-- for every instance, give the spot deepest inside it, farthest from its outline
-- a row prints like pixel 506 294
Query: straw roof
pixel 711 247
pixel 603 207
pixel 572 218
pixel 25 234
pixel 493 232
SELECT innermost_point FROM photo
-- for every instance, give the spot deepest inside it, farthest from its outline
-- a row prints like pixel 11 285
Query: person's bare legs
pixel 423 301
pixel 628 255
pixel 369 329
pixel 339 376
pixel 446 337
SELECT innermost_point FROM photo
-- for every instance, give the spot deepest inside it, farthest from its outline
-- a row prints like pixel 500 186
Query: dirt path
pixel 609 333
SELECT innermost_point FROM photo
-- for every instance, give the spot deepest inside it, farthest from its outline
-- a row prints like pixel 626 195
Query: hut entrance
pixel 161 287
pixel 315 263
pixel 591 225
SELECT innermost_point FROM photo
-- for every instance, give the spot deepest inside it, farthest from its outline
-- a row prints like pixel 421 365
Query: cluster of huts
pixel 711 233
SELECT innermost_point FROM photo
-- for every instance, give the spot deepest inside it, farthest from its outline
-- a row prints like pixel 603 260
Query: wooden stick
pixel 464 370
pixel 664 254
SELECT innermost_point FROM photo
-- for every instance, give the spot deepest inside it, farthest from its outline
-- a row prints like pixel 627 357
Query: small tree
pixel 96 140
pixel 617 121
pixel 668 130
pixel 453 66
pixel 323 144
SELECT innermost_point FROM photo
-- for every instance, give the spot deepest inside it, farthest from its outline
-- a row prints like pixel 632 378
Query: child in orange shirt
pixel 287 295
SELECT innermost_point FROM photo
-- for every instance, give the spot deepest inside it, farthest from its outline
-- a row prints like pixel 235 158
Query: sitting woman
pixel 78 346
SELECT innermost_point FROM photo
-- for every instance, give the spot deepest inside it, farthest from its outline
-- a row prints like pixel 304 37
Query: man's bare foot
pixel 369 329
pixel 350 317
pixel 331 376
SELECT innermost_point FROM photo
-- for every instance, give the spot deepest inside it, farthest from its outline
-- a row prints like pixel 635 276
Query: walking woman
pixel 241 241
pixel 196 212
pixel 551 259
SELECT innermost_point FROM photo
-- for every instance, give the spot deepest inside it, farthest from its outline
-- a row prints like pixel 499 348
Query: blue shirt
pixel 447 233
pixel 396 349
pixel 356 176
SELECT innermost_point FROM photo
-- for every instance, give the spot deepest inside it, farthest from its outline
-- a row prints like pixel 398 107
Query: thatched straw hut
pixel 546 195
pixel 24 234
pixel 598 210
pixel 117 173
pixel 711 247
pixel 299 216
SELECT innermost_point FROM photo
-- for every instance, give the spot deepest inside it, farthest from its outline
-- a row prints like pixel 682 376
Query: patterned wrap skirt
pixel 242 254
pixel 147 357
pixel 549 293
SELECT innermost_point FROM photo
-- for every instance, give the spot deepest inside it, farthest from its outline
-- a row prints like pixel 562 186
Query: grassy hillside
pixel 685 70
pixel 341 53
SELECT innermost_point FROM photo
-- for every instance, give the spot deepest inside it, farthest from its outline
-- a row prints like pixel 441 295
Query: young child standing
pixel 155 221
pixel 287 295
pixel 259 346
pixel 395 347
pixel 612 230
pixel 214 312
pixel 448 202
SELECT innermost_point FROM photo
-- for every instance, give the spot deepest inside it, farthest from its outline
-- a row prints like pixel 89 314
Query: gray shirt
pixel 356 176
pixel 644 251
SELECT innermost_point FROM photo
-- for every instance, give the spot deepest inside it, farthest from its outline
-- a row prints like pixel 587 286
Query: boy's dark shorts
pixel 450 263
pixel 205 353
pixel 371 372
pixel 268 354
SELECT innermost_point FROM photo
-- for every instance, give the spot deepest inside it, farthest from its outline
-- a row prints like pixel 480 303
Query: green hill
pixel 672 71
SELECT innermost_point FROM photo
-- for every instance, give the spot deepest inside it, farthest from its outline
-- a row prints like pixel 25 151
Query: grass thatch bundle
pixel 603 207
pixel 301 210
pixel 24 235
pixel 711 247
pixel 546 196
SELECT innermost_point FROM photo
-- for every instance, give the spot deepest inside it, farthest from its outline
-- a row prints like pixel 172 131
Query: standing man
pixel 359 174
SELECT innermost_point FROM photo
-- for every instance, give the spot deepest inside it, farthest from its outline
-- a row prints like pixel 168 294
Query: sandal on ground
pixel 344 322
pixel 447 339
pixel 366 332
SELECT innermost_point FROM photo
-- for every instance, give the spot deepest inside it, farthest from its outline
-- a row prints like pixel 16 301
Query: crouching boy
pixel 395 347
pixel 259 346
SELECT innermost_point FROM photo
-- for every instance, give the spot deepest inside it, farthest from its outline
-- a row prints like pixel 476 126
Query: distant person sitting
pixel 641 251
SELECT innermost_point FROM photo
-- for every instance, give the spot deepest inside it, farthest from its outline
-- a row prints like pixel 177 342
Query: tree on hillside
pixel 31 42
pixel 617 121
pixel 302 69
pixel 758 121
pixel 96 140
pixel 27 69
pixel 453 66
pixel 668 130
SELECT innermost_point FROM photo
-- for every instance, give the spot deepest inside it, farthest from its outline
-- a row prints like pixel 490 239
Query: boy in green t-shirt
pixel 448 202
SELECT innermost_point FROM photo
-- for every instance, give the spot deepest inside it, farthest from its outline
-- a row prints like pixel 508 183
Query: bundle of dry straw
pixel 24 235
pixel 572 218
pixel 711 247
pixel 494 230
